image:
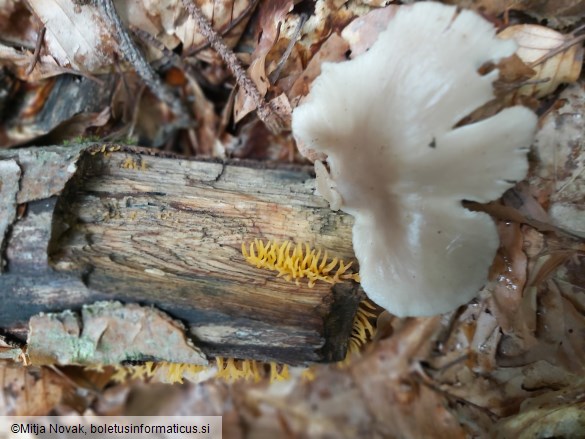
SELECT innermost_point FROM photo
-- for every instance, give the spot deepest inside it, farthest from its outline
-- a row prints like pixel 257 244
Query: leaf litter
pixel 509 364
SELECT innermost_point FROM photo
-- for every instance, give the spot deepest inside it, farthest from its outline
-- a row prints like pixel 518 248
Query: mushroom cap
pixel 387 122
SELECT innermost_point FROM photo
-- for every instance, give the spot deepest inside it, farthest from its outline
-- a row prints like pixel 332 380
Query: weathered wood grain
pixel 167 232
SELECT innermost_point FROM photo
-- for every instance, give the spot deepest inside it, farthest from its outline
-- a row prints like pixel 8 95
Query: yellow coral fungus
pixel 297 262
pixel 142 371
pixel 278 372
pixel 308 374
pixel 121 374
pixel 169 372
pixel 362 330
pixel 233 370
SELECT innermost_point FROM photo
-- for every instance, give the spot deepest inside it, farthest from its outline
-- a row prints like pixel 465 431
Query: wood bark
pixel 108 222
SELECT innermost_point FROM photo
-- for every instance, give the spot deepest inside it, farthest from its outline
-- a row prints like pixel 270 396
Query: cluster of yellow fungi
pixel 294 262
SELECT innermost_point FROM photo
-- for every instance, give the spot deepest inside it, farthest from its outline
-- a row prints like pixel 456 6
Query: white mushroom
pixel 387 122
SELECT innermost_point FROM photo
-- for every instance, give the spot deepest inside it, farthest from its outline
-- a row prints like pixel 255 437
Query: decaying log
pixel 109 222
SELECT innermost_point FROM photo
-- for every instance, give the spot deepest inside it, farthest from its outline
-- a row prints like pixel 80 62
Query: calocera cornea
pixel 387 123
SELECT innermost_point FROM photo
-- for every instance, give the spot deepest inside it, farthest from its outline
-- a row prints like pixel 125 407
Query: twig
pixel 224 30
pixel 149 39
pixel 563 47
pixel 282 61
pixel 266 113
pixel 139 63
pixel 37 52
pixel 422 378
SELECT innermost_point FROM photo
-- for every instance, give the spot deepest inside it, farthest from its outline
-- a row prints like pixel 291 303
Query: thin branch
pixel 37 52
pixel 149 39
pixel 265 112
pixel 224 30
pixel 282 61
pixel 562 48
pixel 133 55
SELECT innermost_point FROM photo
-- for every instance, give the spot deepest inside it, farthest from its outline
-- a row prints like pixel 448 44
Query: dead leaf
pixel 18 27
pixel 207 120
pixel 33 391
pixel 563 420
pixel 332 50
pixel 560 13
pixel 228 17
pixel 362 32
pixel 507 301
pixel 513 71
pixel 554 57
pixel 271 16
pixel 19 61
pixel 78 125
pixel 76 36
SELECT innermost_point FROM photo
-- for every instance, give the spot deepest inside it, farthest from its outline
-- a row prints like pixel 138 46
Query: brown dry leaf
pixel 278 30
pixel 523 339
pixel 207 122
pixel 271 16
pixel 362 32
pixel 244 104
pixel 78 125
pixel 109 333
pixel 78 38
pixel 397 398
pixel 554 57
pixel 488 7
pixel 332 50
pixel 513 310
pixel 33 391
pixel 18 27
pixel 557 13
pixel 513 70
pixel 255 141
pixel 19 62
pixel 145 117
pixel 171 25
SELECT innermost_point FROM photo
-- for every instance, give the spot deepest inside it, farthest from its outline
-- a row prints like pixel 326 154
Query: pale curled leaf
pixel 76 36
pixel 554 57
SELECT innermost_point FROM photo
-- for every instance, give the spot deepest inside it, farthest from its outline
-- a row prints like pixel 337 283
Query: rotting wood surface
pixel 104 222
